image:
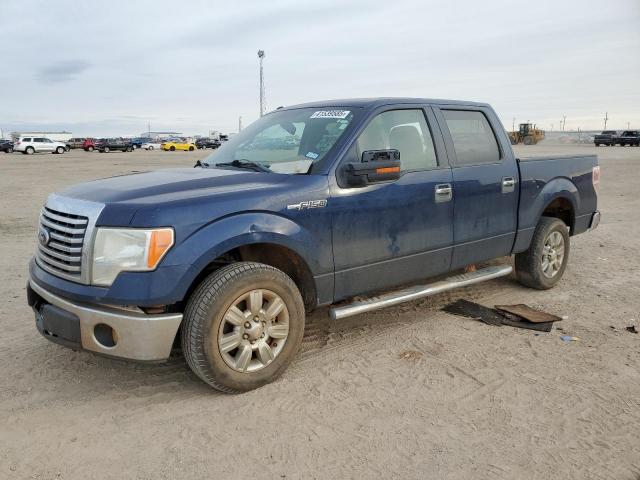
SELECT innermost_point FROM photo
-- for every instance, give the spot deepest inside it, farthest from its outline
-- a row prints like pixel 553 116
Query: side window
pixel 473 138
pixel 404 130
pixel 39 140
pixel 26 139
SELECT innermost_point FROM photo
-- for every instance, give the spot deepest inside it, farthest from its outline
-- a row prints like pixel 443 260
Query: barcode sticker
pixel 330 114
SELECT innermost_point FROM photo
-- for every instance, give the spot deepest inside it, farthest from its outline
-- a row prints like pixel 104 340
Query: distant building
pixel 161 134
pixel 55 136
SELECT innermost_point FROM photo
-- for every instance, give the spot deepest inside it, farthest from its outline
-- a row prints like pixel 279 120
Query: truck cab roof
pixel 381 101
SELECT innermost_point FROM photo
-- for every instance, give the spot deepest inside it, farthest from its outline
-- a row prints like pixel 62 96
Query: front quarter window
pixel 285 141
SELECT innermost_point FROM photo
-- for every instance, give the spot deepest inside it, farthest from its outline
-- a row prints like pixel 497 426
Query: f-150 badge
pixel 307 204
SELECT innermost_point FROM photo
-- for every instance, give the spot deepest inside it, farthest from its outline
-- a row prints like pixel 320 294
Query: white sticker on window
pixel 312 155
pixel 330 114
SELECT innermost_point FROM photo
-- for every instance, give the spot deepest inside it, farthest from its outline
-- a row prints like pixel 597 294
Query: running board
pixel 418 291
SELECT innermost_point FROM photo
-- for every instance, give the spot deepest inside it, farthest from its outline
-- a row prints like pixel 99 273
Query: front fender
pixel 213 240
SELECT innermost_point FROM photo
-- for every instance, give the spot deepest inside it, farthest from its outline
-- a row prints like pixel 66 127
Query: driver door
pixel 394 232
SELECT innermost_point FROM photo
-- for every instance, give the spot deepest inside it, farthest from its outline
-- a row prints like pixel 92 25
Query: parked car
pixel 207 143
pixel 178 145
pixel 89 144
pixel 106 145
pixel 629 137
pixel 74 143
pixel 6 146
pixel 607 137
pixel 227 258
pixel 31 145
pixel 151 146
pixel 139 141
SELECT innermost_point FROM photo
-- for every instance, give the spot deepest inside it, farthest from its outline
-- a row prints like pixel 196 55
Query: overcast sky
pixel 107 68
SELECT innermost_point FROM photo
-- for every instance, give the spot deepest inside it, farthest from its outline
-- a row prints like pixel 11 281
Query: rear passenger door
pixel 485 184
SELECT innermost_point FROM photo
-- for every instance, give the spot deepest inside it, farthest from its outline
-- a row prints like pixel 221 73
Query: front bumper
pixel 130 334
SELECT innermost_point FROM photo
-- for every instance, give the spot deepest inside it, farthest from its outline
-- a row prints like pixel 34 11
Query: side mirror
pixel 376 166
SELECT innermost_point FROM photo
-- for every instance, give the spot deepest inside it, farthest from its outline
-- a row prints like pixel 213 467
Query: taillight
pixel 595 178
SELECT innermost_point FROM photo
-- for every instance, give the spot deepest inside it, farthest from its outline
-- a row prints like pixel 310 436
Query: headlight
pixel 127 249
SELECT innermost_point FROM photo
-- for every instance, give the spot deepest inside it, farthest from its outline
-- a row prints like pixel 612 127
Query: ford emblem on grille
pixel 43 236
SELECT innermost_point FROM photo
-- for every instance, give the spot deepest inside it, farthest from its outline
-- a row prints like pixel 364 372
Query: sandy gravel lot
pixel 408 392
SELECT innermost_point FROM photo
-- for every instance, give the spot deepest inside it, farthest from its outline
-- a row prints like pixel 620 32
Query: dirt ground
pixel 408 392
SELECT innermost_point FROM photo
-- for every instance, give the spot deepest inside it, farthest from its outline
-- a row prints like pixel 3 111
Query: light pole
pixel 261 57
pixel 606 119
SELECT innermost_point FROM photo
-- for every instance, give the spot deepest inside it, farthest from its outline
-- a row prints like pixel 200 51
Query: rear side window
pixel 27 139
pixel 473 138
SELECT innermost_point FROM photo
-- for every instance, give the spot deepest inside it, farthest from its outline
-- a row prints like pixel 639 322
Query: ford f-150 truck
pixel 311 205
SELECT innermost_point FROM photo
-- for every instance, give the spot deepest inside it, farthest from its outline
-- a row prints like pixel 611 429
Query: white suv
pixel 31 145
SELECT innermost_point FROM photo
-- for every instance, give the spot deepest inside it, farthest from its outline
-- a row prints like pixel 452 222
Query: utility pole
pixel 513 125
pixel 262 99
pixel 149 129
pixel 628 125
pixel 564 122
pixel 606 119
pixel 239 123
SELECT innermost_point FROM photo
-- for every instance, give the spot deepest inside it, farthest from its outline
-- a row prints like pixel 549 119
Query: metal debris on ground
pixel 473 310
pixel 529 313
pixel 632 329
pixel 504 315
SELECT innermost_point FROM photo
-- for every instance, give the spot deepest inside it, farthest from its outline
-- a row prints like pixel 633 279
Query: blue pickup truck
pixel 311 205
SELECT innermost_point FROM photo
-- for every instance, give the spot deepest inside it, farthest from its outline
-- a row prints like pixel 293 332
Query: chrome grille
pixel 61 237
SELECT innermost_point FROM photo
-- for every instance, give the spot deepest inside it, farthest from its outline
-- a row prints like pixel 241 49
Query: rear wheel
pixel 10 150
pixel 150 147
pixel 242 326
pixel 172 148
pixel 105 149
pixel 191 149
pixel 90 149
pixel 528 140
pixel 30 150
pixel 543 264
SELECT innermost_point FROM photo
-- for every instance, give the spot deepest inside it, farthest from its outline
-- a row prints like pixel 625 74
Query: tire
pixel 90 149
pixel 30 151
pixel 597 144
pixel 105 150
pixel 528 140
pixel 9 150
pixel 529 264
pixel 150 148
pixel 60 150
pixel 191 149
pixel 205 319
pixel 172 148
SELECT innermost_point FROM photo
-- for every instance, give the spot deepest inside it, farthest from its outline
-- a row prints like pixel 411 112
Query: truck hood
pixel 161 186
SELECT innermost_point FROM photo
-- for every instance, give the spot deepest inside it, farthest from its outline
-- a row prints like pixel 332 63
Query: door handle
pixel 443 192
pixel 508 184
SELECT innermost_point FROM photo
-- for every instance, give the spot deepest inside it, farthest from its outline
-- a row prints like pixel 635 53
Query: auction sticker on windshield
pixel 330 114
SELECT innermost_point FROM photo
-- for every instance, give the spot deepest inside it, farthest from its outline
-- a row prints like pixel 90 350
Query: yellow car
pixel 178 145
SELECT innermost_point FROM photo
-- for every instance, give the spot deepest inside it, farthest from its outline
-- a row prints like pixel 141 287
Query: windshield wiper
pixel 200 164
pixel 246 164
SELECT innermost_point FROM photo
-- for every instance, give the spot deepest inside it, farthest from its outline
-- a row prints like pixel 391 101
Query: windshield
pixel 287 141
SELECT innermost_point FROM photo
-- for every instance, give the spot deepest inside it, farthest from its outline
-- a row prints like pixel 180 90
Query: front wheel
pixel 172 148
pixel 243 326
pixel 150 148
pixel 543 264
pixel 60 150
pixel 191 149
